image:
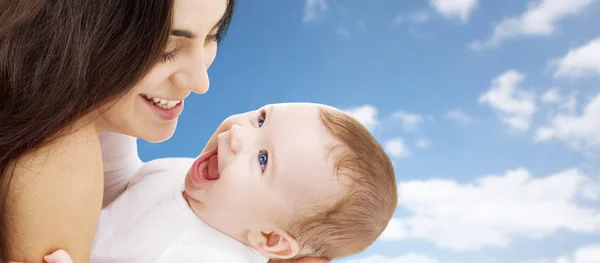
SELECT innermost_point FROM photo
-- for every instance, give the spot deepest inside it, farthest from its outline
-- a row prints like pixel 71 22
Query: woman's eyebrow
pixel 183 33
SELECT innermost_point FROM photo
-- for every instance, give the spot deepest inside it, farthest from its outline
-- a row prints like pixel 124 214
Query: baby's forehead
pixel 300 139
pixel 317 157
pixel 310 170
pixel 313 179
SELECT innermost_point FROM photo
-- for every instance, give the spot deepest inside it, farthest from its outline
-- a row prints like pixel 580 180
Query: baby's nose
pixel 235 135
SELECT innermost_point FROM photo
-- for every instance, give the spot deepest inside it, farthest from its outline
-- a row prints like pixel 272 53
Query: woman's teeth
pixel 163 103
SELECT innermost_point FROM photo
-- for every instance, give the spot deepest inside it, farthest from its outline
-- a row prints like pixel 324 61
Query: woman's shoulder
pixel 64 179
pixel 77 150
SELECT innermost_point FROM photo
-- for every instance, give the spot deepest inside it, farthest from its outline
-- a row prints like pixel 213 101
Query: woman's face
pixel 151 109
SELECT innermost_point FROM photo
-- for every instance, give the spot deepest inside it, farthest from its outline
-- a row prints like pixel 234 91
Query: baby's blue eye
pixel 261 119
pixel 263 157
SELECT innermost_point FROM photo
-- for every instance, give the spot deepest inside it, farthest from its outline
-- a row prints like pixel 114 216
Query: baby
pixel 286 181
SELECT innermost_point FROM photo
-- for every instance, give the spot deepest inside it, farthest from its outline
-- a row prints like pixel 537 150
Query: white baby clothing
pixel 151 221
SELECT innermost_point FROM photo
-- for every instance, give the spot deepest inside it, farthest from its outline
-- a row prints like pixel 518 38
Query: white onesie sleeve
pixel 120 162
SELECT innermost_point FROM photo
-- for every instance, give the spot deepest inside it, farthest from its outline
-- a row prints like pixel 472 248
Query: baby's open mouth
pixel 206 167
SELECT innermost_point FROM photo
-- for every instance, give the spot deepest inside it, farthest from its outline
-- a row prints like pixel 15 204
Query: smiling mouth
pixel 206 168
pixel 160 102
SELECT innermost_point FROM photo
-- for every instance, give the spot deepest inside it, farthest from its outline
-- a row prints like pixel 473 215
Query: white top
pixel 151 221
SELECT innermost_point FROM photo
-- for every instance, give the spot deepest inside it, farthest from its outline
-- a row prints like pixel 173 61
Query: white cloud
pixel 540 19
pixel 423 143
pixel 514 106
pixel 412 18
pixel 313 9
pixel 494 209
pixel 580 132
pixel 460 9
pixel 366 114
pixel 586 254
pixel 579 61
pixel 459 116
pixel 396 148
pixel 570 104
pixel 408 258
pixel 395 230
pixel 552 96
pixel 410 121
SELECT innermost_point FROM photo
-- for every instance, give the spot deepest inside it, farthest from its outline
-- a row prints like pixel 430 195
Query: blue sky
pixel 489 109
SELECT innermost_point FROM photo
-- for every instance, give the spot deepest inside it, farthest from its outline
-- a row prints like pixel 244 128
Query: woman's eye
pixel 263 158
pixel 170 56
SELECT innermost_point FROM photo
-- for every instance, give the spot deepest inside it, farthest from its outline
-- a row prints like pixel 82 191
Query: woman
pixel 70 70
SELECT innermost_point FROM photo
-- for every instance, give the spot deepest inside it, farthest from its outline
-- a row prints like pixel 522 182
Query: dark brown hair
pixel 356 220
pixel 60 60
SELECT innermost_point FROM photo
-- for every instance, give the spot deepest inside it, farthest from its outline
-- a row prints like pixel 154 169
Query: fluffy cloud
pixel 366 114
pixel 579 61
pixel 396 148
pixel 313 9
pixel 540 19
pixel 552 96
pixel 579 131
pixel 458 115
pixel 460 9
pixel 408 258
pixel 570 103
pixel 395 230
pixel 514 106
pixel 410 121
pixel 585 254
pixel 494 209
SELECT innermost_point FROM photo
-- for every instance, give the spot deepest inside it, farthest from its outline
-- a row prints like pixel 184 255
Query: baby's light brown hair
pixel 357 219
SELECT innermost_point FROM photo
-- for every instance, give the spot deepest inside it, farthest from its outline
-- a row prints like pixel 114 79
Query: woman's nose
pixel 194 76
pixel 198 81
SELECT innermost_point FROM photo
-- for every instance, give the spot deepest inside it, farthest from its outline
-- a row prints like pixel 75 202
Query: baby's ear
pixel 274 243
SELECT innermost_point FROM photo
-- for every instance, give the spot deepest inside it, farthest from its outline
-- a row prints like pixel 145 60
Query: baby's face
pixel 270 163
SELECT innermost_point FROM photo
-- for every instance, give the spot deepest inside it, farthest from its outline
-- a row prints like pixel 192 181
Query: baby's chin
pixel 189 189
pixel 188 181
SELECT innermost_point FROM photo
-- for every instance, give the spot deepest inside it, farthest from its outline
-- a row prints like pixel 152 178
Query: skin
pixel 55 198
pixel 57 189
pixel 274 163
pixel 189 54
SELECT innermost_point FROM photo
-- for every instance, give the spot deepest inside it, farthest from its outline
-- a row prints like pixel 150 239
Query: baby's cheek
pixel 228 194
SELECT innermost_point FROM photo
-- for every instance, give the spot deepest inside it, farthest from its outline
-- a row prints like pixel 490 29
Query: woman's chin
pixel 158 135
